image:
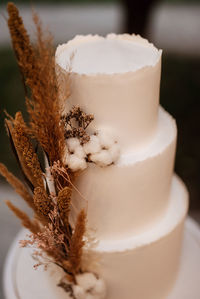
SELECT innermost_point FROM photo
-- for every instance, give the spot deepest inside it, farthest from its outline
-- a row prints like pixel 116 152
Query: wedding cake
pixel 135 205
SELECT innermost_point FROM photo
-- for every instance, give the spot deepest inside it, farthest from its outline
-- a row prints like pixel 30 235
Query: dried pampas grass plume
pixel 20 42
pixel 37 66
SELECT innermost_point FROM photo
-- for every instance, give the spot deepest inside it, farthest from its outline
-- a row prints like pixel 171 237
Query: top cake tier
pixel 117 79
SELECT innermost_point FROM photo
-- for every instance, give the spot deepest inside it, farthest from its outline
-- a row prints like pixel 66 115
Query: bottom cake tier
pixel 141 267
pixel 146 266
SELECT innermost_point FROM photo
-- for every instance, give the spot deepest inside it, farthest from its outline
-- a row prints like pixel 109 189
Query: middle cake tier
pixel 126 198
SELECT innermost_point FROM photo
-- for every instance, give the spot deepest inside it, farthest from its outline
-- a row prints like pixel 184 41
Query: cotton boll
pixel 92 146
pixel 90 296
pixel 86 280
pixel 66 157
pixel 73 143
pixel 100 288
pixel 106 140
pixel 78 291
pixel 79 152
pixel 75 163
pixel 114 151
pixel 103 158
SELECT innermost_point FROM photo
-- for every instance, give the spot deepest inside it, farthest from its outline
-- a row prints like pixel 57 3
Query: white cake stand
pixel 36 284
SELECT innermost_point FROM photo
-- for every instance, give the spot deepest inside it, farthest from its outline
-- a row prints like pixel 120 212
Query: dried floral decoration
pixel 51 232
pixel 101 149
pixel 76 123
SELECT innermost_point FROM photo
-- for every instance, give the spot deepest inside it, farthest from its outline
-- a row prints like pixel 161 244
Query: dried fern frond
pixel 33 226
pixel 18 186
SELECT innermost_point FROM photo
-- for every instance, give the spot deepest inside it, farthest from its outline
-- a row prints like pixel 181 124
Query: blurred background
pixel 173 25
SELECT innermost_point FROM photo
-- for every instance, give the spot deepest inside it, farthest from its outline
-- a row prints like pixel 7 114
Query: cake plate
pixel 21 281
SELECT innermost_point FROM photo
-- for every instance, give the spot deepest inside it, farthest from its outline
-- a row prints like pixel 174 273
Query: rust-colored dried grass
pixel 51 231
pixel 38 68
pixel 26 154
pixel 42 203
pixel 19 187
pixel 33 226
pixel 77 243
pixel 20 42
pixel 64 202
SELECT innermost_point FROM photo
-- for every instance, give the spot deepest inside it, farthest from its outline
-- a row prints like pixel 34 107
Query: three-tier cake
pixel 136 206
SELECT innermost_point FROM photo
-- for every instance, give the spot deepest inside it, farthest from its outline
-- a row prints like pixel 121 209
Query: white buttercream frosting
pixel 165 133
pixel 108 56
pixel 145 270
pixel 128 197
pixel 135 206
pixel 176 210
pixel 117 79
